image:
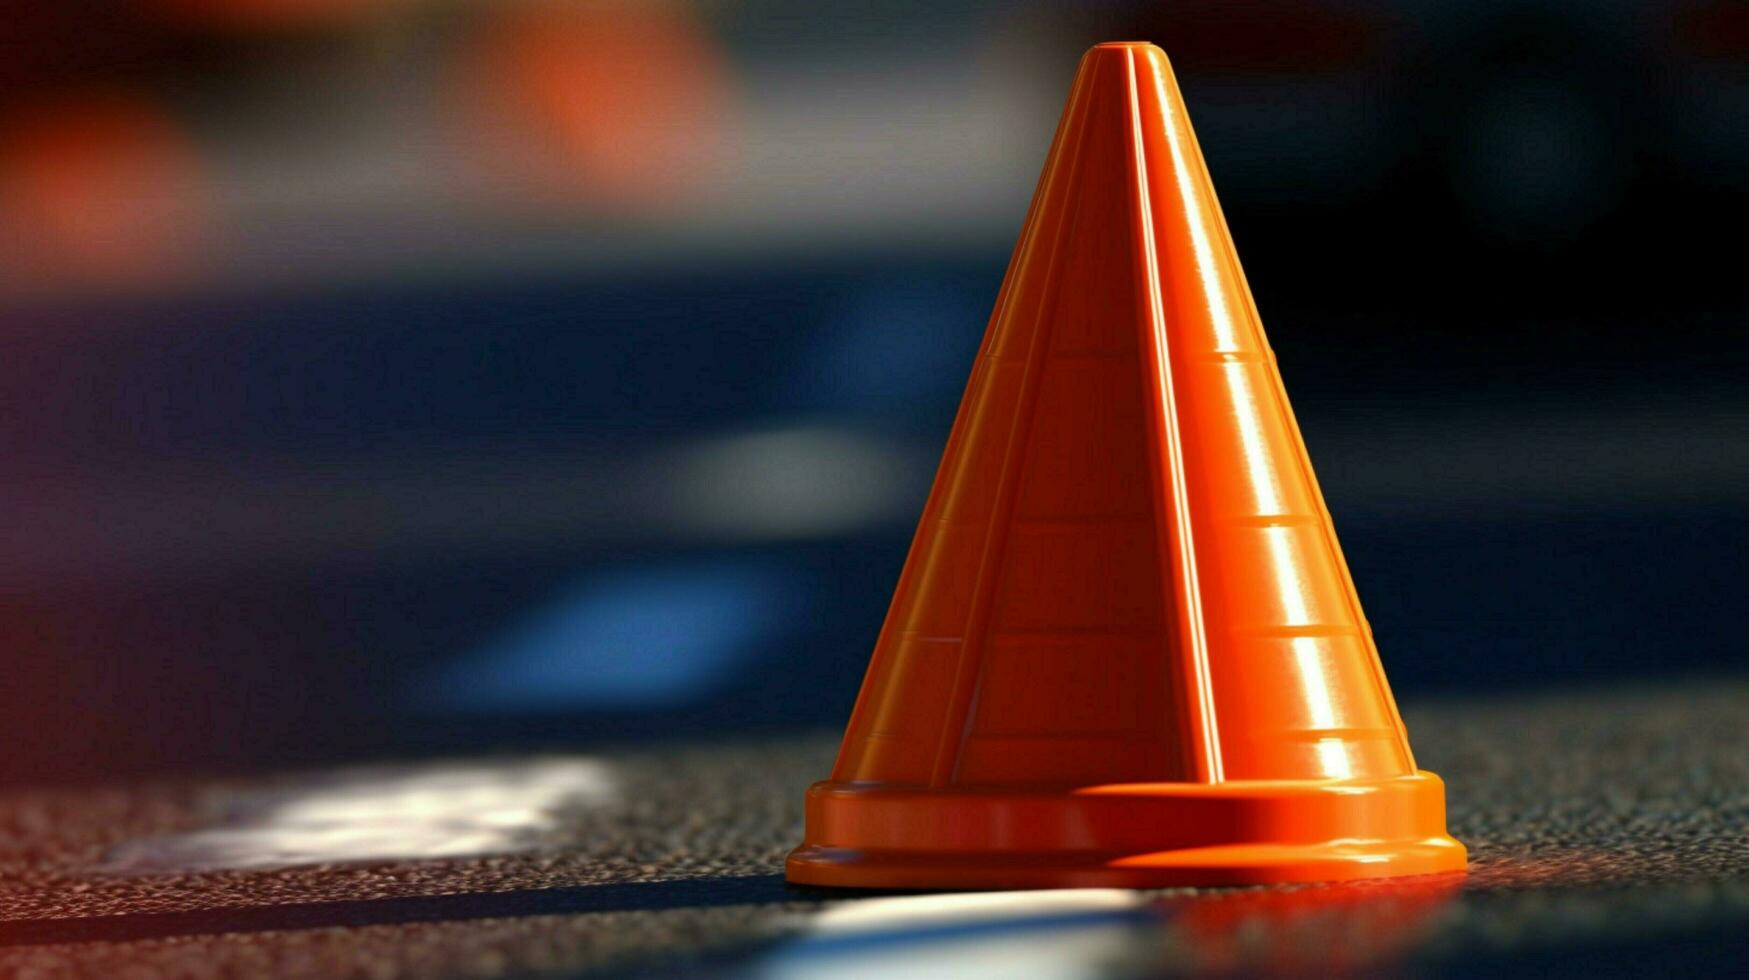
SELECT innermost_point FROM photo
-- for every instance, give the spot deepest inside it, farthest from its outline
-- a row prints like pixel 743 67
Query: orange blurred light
pixel 618 104
pixel 99 191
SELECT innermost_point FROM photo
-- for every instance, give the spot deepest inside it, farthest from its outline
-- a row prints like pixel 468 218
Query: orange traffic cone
pixel 1125 649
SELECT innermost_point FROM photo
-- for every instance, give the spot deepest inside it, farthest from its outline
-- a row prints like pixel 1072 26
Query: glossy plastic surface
pixel 1125 648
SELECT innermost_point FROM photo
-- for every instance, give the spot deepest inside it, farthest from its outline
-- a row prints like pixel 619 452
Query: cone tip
pixel 1146 52
pixel 1143 46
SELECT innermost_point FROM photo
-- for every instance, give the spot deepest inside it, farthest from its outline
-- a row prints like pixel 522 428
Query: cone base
pixel 1192 867
pixel 1150 835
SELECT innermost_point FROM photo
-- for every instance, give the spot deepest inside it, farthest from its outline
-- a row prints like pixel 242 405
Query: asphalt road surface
pixel 1609 834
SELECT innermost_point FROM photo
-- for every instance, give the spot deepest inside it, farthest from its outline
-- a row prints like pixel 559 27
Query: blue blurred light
pixel 651 637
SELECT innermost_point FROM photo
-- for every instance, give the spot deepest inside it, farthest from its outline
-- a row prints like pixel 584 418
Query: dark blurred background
pixel 382 376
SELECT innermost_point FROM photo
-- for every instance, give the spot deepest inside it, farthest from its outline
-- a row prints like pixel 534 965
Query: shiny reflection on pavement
pixel 1316 929
pixel 1112 933
pixel 388 814
pixel 1067 933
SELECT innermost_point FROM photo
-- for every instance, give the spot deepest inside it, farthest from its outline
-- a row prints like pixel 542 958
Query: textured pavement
pixel 1607 828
